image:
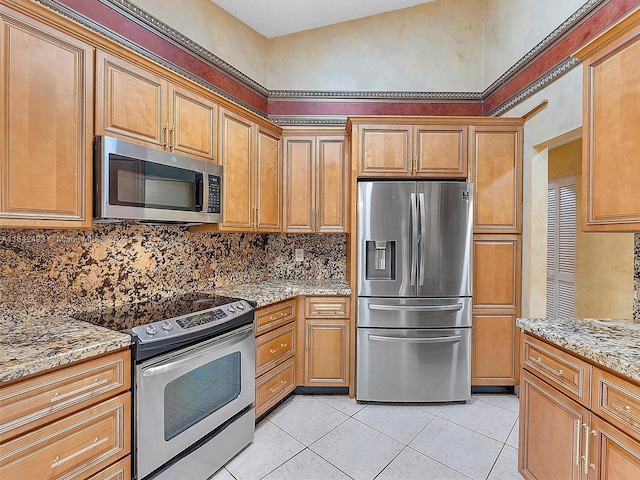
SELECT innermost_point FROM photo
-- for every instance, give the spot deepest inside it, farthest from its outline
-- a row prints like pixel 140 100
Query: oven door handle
pixel 383 338
pixel 174 363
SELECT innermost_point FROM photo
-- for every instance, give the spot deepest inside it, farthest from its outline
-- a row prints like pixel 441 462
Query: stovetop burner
pixel 130 315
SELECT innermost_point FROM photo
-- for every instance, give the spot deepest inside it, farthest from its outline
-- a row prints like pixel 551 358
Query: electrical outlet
pixel 299 254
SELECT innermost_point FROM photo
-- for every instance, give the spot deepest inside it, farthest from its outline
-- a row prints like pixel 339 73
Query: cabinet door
pixel 193 124
pixel 300 184
pixel 550 432
pixel 332 194
pixel 236 157
pixel 130 102
pixel 496 272
pixel 610 133
pixel 614 454
pixel 327 352
pixel 385 150
pixel 268 182
pixel 46 142
pixel 441 151
pixel 496 171
pixel 494 345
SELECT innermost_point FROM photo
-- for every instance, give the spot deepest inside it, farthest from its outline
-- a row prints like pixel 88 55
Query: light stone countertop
pixel 33 344
pixel 614 344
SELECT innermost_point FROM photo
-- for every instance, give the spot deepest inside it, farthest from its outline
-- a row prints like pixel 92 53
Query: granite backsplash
pixel 61 270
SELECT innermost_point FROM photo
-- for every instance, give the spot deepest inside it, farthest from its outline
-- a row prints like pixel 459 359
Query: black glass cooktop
pixel 127 316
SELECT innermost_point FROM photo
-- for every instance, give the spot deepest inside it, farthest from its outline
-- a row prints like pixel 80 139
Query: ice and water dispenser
pixel 381 260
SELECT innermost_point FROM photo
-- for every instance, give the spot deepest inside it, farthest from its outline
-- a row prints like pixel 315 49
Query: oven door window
pixel 200 392
pixel 138 183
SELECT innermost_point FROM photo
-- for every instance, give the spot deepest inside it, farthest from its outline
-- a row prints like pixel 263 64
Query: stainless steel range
pixel 194 384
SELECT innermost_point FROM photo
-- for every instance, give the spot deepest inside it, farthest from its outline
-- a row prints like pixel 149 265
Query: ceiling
pixel 274 18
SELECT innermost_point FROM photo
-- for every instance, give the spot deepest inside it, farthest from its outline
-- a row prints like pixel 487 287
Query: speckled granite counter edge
pixel 614 344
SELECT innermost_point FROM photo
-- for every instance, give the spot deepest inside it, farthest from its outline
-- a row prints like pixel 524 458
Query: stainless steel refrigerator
pixel 414 291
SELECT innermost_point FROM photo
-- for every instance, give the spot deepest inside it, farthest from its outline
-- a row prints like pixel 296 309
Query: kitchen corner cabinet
pixel 496 172
pixel 496 304
pixel 414 146
pixel 275 330
pixel 46 120
pixel 251 155
pixel 316 182
pixel 135 103
pixel 576 420
pixel 327 342
pixel 73 423
pixel 611 138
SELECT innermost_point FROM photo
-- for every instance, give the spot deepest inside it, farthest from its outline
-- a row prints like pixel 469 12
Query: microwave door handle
pixel 414 239
pixel 199 200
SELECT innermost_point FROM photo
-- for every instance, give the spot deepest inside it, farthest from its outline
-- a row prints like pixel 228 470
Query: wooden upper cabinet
pixel 46 112
pixel 496 172
pixel 441 151
pixel 252 177
pixel 611 140
pixel 427 147
pixel 134 103
pixel 316 185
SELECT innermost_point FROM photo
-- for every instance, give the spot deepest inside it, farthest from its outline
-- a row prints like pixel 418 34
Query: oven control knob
pixel 231 309
pixel 151 330
pixel 240 306
pixel 166 326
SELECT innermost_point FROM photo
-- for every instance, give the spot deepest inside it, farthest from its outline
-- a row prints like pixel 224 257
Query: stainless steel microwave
pixel 134 182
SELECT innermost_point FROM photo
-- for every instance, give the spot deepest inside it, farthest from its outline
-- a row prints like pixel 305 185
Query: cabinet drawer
pixel 29 404
pixel 326 307
pixel 273 316
pixel 273 347
pixel 73 448
pixel 274 386
pixel 565 372
pixel 617 401
pixel 118 471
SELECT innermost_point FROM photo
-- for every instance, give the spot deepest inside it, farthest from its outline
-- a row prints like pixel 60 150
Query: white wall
pixel 216 30
pixel 513 27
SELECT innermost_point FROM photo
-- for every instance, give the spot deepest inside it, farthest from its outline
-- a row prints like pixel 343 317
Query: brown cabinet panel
pixel 193 125
pixel 496 272
pixel 273 316
pixel 268 182
pixel 46 122
pixel 610 142
pixel 441 151
pixel 300 184
pixel 130 101
pixel 332 191
pixel 75 447
pixel 274 346
pixel 494 354
pixel 496 172
pixel 275 385
pixel 327 307
pixel 385 150
pixel 617 401
pixel 615 455
pixel 118 471
pixel 326 354
pixel 550 432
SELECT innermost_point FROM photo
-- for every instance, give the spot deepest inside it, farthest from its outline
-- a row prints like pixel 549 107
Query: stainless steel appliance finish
pixel 134 182
pixel 414 291
pixel 185 396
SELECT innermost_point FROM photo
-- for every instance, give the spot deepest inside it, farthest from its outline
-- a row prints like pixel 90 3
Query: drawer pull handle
pixel 585 457
pixel 59 461
pixel 61 396
pixel 626 411
pixel 274 350
pixel 539 362
pixel 280 385
pixel 273 318
pixel 329 307
pixel 577 440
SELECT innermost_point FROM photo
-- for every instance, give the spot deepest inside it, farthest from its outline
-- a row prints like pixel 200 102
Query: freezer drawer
pixel 414 312
pixel 413 365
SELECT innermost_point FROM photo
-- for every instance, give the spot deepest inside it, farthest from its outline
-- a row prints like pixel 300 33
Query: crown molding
pixel 315 95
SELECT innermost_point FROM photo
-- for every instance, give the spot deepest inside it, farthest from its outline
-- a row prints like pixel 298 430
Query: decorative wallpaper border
pixel 274 97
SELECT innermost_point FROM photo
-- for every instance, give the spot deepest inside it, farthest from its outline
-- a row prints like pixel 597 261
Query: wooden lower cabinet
pixel 587 437
pixel 494 349
pixel 274 385
pixel 327 352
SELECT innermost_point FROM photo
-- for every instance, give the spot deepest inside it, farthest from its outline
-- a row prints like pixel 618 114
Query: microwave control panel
pixel 215 192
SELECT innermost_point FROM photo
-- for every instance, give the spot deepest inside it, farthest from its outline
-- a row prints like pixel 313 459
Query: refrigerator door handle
pixel 421 238
pixel 417 308
pixel 383 338
pixel 414 239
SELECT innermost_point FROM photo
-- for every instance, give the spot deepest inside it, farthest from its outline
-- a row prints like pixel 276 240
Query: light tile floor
pixel 326 437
